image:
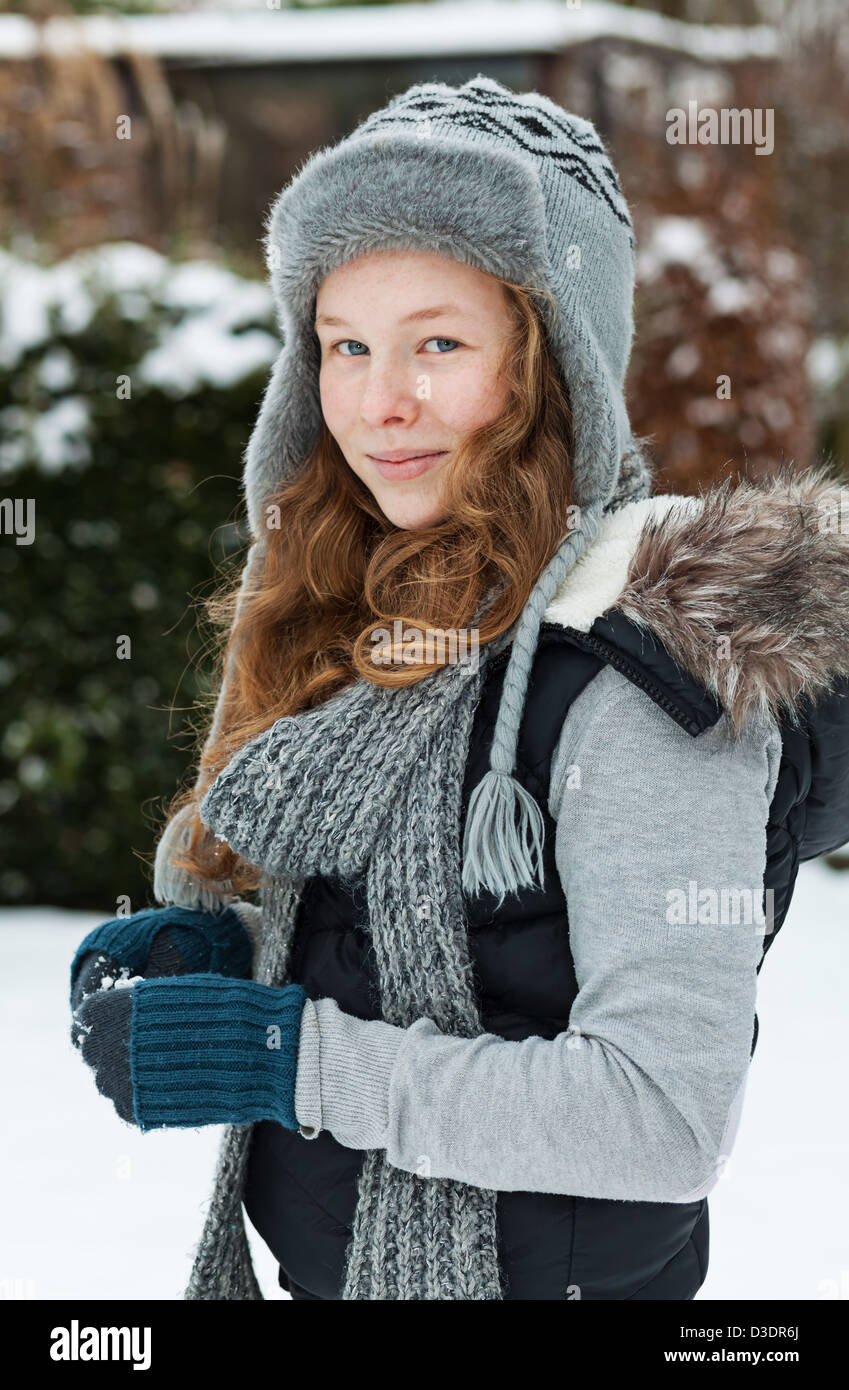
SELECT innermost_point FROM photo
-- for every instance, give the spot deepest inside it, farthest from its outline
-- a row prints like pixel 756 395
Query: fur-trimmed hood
pixel 746 586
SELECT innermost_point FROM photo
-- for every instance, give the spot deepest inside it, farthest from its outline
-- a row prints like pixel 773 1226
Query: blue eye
pixel 344 342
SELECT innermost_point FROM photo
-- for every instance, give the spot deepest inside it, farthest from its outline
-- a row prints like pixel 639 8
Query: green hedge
pixel 133 520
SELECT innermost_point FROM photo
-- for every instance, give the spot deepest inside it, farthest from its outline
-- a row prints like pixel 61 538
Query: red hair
pixel 338 570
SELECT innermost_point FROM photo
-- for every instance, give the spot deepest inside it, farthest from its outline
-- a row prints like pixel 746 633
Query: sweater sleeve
pixel 661 850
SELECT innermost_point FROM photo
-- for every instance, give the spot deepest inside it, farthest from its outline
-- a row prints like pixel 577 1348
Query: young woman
pixel 520 758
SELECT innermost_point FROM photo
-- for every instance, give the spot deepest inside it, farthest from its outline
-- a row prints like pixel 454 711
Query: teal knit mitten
pixel 192 1050
pixel 181 940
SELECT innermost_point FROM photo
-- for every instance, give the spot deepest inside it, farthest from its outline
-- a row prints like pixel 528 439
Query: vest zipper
pixel 634 673
pixel 628 668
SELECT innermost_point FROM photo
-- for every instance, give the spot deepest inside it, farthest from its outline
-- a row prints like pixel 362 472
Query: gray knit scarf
pixel 371 780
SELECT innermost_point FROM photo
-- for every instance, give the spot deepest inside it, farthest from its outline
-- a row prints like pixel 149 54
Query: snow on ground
pixel 92 1208
pixel 89 1206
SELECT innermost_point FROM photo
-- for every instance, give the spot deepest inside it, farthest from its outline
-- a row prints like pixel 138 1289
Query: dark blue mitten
pixel 196 941
pixel 104 1025
pixel 195 1050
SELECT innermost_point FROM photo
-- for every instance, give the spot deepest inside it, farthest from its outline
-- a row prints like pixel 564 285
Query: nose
pixel 388 392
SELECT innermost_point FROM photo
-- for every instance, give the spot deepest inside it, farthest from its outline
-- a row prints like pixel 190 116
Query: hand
pixel 194 1050
pixel 104 1025
pixel 163 941
pixel 99 970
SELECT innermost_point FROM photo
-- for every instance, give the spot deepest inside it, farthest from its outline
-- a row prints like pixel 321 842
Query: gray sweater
pixel 641 1097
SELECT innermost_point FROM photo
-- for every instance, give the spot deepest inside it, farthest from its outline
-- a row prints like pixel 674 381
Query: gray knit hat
pixel 515 186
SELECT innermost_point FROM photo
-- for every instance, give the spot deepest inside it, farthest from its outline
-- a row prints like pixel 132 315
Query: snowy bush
pixel 128 389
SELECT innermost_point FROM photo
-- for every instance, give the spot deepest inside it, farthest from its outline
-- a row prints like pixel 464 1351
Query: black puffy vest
pixel 301 1194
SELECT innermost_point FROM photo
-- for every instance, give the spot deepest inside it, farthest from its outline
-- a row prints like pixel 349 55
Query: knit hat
pixel 515 186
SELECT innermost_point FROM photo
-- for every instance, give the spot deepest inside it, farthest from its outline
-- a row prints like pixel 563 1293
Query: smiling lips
pixel 401 465
pixel 401 455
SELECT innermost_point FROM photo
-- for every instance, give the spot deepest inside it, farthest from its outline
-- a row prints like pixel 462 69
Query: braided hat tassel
pixel 503 852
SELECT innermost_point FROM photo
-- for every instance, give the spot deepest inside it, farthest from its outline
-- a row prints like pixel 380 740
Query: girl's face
pixel 410 349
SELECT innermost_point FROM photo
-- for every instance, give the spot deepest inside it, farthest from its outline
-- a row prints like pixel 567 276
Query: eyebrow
pixel 435 312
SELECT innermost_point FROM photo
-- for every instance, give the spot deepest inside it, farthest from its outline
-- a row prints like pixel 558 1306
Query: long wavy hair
pixel 337 573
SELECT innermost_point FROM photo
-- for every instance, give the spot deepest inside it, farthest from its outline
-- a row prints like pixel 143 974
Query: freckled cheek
pixel 468 400
pixel 338 400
